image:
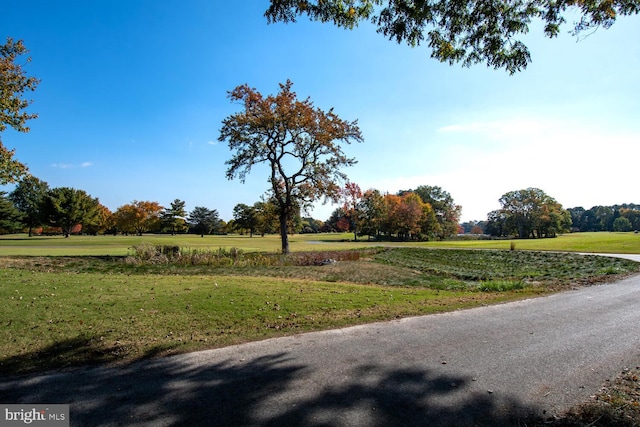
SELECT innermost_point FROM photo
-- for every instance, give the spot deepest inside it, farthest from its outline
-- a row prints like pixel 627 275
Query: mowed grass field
pixel 83 300
pixel 602 242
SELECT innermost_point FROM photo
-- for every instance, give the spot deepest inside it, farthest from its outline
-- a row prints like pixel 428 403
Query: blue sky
pixel 133 93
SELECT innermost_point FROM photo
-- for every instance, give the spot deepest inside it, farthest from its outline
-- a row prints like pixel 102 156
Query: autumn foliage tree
pixel 407 217
pixel 138 217
pixel 466 31
pixel 447 212
pixel 104 221
pixel 299 142
pixel 13 84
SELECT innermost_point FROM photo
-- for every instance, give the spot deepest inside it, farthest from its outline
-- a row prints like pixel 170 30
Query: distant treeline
pixel 625 217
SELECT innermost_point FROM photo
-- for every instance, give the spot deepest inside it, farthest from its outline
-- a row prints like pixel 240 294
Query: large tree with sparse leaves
pixel 14 83
pixel 466 31
pixel 299 142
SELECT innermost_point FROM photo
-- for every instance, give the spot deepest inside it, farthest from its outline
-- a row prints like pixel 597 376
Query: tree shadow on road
pixel 386 396
pixel 76 351
pixel 272 390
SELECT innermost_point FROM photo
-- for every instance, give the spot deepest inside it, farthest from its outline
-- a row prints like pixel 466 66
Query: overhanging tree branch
pixel 459 31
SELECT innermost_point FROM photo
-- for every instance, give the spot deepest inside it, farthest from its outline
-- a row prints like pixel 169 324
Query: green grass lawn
pixel 59 319
pixel 600 242
pixel 66 311
pixel 120 245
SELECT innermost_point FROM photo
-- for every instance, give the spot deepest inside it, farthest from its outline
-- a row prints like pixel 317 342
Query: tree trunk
pixel 283 232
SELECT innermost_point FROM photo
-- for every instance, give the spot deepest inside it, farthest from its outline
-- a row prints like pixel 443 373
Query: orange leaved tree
pixel 300 143
pixel 138 217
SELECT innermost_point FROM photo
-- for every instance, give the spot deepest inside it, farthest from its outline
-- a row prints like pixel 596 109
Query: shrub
pixel 144 252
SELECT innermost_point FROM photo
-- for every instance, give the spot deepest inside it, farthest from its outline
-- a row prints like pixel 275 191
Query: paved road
pixel 632 257
pixel 488 366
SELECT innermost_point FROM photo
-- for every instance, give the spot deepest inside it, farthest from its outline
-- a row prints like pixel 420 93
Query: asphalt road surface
pixel 492 365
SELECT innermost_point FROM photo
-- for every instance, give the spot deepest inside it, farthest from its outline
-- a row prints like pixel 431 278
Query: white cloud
pixel 577 163
pixel 492 126
pixel 70 165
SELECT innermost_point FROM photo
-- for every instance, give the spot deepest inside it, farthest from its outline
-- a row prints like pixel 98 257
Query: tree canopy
pixel 138 216
pixel 603 218
pixel 13 84
pixel 299 142
pixel 10 216
pixel 447 212
pixel 466 31
pixel 402 216
pixel 245 217
pixel 28 196
pixel 528 213
pixel 203 220
pixel 174 216
pixel 67 207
